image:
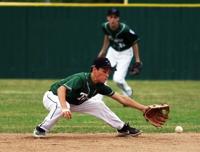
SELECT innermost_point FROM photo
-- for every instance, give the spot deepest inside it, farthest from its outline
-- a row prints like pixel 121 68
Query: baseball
pixel 178 129
pixel 164 112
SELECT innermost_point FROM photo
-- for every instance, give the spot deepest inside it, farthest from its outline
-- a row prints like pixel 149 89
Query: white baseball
pixel 164 112
pixel 179 129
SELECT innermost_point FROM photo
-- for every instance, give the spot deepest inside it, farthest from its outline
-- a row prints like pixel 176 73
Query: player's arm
pixel 62 90
pixel 105 46
pixel 135 47
pixel 133 38
pixel 124 100
pixel 127 101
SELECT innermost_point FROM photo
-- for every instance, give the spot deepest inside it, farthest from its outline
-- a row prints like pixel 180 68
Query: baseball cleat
pixel 129 131
pixel 126 90
pixel 39 132
pixel 128 93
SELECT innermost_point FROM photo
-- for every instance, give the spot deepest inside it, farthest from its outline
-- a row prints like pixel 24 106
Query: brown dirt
pixel 164 142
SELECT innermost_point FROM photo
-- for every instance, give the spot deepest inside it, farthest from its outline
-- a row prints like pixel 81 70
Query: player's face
pixel 101 75
pixel 113 21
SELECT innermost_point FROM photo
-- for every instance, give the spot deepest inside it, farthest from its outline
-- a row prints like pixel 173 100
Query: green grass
pixel 21 107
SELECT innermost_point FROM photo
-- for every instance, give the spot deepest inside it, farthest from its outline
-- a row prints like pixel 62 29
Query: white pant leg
pixel 98 97
pixel 92 106
pixel 52 104
pixel 112 55
pixel 123 62
pixel 98 109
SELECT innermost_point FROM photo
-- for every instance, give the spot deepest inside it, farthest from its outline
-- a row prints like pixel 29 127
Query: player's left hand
pixel 67 114
pixel 136 68
pixel 157 114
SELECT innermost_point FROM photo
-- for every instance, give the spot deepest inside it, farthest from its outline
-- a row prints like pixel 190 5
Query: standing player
pixel 119 46
pixel 74 94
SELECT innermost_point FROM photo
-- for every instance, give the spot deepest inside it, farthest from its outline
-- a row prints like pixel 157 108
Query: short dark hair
pixel 113 11
pixel 102 62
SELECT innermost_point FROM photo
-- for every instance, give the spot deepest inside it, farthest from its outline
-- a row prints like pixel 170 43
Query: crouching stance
pixel 74 94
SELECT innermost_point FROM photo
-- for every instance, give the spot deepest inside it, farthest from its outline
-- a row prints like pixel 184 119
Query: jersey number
pixel 83 96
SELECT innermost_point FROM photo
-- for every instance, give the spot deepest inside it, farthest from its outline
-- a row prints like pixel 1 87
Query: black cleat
pixel 129 131
pixel 39 132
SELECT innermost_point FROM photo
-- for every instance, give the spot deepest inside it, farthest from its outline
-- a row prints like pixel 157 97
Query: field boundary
pixel 167 142
pixel 151 5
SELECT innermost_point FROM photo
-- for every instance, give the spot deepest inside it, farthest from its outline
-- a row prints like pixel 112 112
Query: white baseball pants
pixel 93 107
pixel 122 61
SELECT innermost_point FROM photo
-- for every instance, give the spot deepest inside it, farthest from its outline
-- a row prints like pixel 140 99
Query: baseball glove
pixel 157 114
pixel 135 69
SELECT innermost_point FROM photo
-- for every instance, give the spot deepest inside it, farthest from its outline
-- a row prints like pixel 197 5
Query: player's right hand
pixel 66 113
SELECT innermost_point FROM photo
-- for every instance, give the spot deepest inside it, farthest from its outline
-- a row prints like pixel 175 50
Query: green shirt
pixel 122 38
pixel 80 88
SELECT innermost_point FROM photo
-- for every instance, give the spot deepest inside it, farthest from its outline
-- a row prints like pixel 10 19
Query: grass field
pixel 21 107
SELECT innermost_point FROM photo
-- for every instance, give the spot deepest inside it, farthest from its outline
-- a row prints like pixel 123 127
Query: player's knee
pixel 118 80
pixel 100 105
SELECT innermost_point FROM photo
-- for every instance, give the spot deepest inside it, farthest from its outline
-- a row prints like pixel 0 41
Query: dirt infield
pixel 184 142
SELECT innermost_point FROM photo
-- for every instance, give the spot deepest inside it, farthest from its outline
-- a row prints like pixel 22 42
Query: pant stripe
pixel 55 108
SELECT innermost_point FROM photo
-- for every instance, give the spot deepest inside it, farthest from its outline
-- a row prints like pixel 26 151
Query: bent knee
pixel 118 80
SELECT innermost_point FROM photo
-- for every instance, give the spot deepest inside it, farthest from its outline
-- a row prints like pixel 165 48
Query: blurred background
pixel 67 1
pixel 47 40
pixel 106 1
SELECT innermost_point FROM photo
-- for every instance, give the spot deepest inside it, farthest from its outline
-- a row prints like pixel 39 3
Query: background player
pixel 74 94
pixel 119 45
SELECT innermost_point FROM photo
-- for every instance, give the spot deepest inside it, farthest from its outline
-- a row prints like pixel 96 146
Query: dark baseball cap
pixel 113 11
pixel 103 63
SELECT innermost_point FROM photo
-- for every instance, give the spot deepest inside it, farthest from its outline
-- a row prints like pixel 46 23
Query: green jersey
pixel 122 38
pixel 80 88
